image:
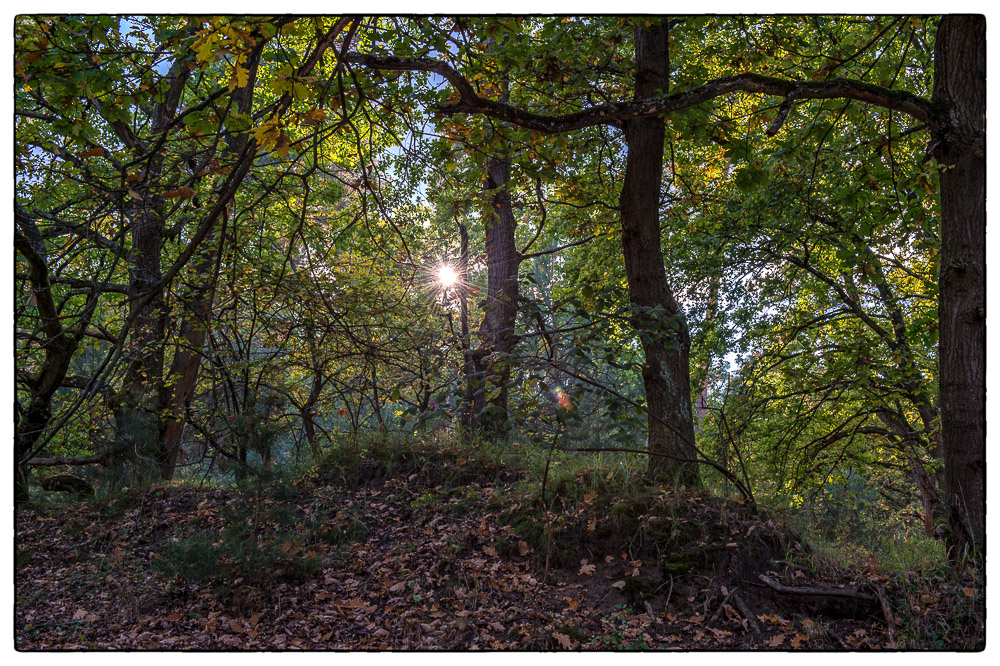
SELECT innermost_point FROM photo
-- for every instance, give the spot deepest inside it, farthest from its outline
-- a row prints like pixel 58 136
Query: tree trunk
pixel 701 405
pixel 468 366
pixel 138 416
pixel 188 352
pixel 659 320
pixel 194 328
pixel 491 361
pixel 58 348
pixel 315 390
pixel 960 149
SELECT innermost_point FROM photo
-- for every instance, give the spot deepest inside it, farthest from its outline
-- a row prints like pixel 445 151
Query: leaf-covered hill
pixel 414 548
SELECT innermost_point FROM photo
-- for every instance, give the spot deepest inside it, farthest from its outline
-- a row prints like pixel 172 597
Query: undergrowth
pixel 655 539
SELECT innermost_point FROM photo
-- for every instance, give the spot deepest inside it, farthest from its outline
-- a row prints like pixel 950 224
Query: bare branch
pixel 613 114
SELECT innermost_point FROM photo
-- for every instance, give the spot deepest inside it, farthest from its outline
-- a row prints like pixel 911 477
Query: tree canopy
pixel 750 247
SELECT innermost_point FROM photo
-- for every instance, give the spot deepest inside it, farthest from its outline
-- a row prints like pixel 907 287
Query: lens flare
pixel 447 276
pixel 562 398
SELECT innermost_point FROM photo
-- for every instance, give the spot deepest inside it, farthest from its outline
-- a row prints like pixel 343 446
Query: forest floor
pixel 449 554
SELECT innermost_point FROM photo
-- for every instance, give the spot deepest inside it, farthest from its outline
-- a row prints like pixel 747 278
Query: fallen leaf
pixel 775 641
pixel 587 569
pixel 799 640
pixel 563 640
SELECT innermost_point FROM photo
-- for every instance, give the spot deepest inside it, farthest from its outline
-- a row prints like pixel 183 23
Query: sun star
pixel 447 276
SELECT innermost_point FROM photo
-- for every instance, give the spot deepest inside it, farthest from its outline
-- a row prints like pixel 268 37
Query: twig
pixel 742 607
pixel 836 639
pixel 792 564
pixel 886 611
pixel 715 616
pixel 670 591
pixel 545 508
pixel 816 591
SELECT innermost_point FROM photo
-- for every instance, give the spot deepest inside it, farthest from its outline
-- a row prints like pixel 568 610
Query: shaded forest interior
pixel 499 332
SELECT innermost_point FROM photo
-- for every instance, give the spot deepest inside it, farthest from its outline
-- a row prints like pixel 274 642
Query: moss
pixel 681 562
pixel 532 532
pixel 637 590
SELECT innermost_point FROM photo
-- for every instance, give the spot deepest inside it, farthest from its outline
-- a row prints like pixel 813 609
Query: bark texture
pixel 661 324
pixel 960 148
pixel 138 416
pixel 491 361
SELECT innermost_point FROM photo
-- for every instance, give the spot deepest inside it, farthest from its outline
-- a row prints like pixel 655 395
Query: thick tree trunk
pixel 138 417
pixel 960 140
pixel 497 339
pixel 661 324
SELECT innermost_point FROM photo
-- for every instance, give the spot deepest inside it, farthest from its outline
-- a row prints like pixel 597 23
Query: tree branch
pixel 614 113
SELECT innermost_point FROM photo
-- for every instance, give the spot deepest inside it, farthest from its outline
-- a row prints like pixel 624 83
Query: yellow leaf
pixel 239 79
pixel 799 640
pixel 314 116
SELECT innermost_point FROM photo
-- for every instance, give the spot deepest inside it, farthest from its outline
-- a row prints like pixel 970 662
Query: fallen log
pixel 850 593
pixel 66 483
pixel 55 462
